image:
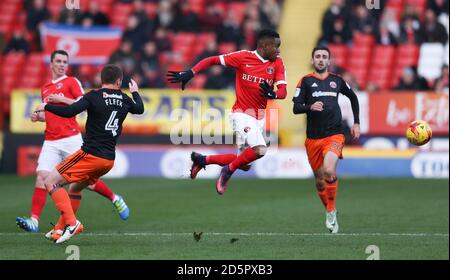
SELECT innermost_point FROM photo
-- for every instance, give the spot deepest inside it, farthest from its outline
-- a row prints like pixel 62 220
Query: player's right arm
pixel 300 102
pixel 137 107
pixel 185 76
pixel 227 60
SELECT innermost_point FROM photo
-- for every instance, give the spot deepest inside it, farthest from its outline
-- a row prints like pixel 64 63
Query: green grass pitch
pixel 255 219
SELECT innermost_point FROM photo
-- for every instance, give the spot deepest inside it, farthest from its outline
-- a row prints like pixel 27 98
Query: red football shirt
pixel 251 70
pixel 58 127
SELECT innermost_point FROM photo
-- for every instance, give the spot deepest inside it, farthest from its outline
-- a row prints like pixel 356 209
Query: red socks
pixel 220 159
pixel 101 188
pixel 38 202
pixel 246 157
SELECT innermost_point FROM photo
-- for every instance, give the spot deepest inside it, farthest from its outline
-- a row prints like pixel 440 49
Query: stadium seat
pixel 120 14
pixel 360 39
pixel 431 59
pixel 339 54
pixel 197 6
pixel 419 5
pixel 409 53
pixel 380 76
pixel 383 56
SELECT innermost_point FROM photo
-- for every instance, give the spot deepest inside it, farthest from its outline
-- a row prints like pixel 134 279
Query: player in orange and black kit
pixel 317 96
pixel 107 108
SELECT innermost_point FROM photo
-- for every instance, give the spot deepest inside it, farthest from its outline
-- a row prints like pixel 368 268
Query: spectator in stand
pixel 152 79
pixel 337 9
pixel 95 15
pixel 433 31
pixel 145 22
pixel 135 32
pixel 162 41
pixel 441 83
pixel 389 20
pixel 36 15
pixel 229 30
pixel 125 51
pixel 250 28
pixel 270 14
pixel 149 56
pixel 410 81
pixel 165 15
pixel 186 20
pixel 409 31
pixel 17 43
pixel 69 16
pixel 338 34
pixel 215 78
pixel 362 22
pixel 385 37
pixel 212 18
pixel 438 6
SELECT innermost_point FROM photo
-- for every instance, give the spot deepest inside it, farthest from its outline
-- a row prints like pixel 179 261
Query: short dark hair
pixel 110 74
pixel 54 53
pixel 267 33
pixel 321 48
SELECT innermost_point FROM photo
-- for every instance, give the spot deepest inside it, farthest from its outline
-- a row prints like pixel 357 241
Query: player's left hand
pixel 355 131
pixel 266 90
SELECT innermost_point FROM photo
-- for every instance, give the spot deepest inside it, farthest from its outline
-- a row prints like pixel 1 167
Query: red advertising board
pixel 27 157
pixel 390 113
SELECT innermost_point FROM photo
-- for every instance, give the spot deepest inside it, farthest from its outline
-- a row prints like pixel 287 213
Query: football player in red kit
pixel 257 72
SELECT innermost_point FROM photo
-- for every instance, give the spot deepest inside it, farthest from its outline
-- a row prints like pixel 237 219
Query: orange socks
pixel 62 202
pixel 331 185
pixel 324 197
pixel 75 201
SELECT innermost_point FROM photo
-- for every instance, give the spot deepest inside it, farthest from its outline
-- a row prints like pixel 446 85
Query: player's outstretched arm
pixel 66 112
pixel 137 107
pixel 184 77
pixel 54 98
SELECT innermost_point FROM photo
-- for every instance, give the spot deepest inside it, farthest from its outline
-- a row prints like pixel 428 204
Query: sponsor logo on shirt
pixel 324 93
pixel 118 96
pixel 314 85
pixel 255 79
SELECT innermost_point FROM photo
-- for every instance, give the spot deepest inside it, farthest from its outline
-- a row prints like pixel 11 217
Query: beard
pixel 320 71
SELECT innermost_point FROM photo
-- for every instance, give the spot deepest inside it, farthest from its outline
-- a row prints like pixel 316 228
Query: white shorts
pixel 53 152
pixel 249 130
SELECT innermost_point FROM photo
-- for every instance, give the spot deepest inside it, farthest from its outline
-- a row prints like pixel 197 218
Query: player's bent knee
pixel 329 172
pixel 260 151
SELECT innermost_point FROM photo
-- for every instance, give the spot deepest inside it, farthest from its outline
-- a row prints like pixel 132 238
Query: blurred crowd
pixel 346 18
pixel 146 49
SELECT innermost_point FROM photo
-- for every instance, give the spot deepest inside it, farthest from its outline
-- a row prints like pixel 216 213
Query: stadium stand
pixel 415 36
pixel 181 30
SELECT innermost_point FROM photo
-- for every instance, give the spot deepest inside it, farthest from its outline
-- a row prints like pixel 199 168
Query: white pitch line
pixel 169 234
